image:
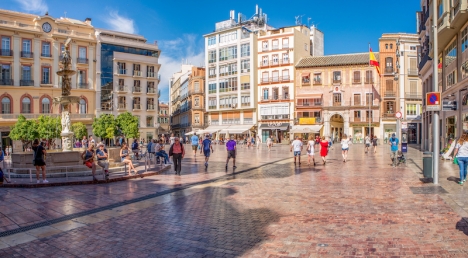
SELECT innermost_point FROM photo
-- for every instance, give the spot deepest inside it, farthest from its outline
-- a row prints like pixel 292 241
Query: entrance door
pixel 371 132
pixel 265 135
pixel 6 141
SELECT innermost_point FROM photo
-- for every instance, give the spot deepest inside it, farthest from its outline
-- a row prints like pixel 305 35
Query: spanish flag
pixel 373 61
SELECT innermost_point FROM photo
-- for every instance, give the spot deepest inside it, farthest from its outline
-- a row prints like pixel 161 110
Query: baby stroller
pixel 401 159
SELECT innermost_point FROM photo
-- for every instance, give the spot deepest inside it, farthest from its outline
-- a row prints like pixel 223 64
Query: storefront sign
pixel 449 105
pixel 412 125
pixel 307 120
pixel 433 102
pixel 364 125
pixel 275 124
pixel 404 125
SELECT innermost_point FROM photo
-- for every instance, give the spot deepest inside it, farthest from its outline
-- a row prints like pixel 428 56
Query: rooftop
pixel 335 60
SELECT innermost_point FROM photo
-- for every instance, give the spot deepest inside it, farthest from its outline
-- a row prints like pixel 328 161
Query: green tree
pixel 79 130
pixel 49 128
pixel 128 125
pixel 24 130
pixel 105 126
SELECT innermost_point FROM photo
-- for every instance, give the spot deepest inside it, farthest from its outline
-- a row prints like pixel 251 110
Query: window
pixel 451 80
pixel 275 76
pixel 369 77
pixel 245 50
pixel 245 86
pixel 212 87
pixel 227 37
pixel 265 94
pixel 389 107
pixel 265 77
pixel 285 58
pixel 229 84
pixel 264 60
pixel 122 68
pixel 5 73
pixel 26 73
pixel 6 105
pixel 411 109
pixel 150 71
pixel 196 86
pixel 285 75
pixel 83 106
pixel 317 78
pixel 45 106
pixel 357 99
pixel 197 102
pixel 211 41
pixel 337 77
pixel 357 114
pixel 336 98
pixel 413 87
pixel 136 103
pixel 228 53
pixel 46 75
pixel 451 53
pixel 357 77
pixel 26 105
pixel 306 47
pixel 196 119
pixel 82 53
pixel 275 44
pixel 265 45
pixel 306 78
pixel 46 49
pixel 245 66
pixel 245 100
pixel 464 39
pixel 6 46
pixel 389 85
pixel 369 98
pixel 369 114
pixel 212 72
pixel 391 46
pixel 149 121
pixel 412 47
pixel 150 104
pixel 275 59
pixel 386 46
pixel 441 8
pixel 389 62
pixel 286 43
pixel 26 48
pixel 212 56
pixel 228 69
pixel 212 103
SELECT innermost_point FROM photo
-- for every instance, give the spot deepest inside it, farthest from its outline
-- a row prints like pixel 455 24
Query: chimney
pixel 256 9
pixel 239 18
pixel 88 21
pixel 232 15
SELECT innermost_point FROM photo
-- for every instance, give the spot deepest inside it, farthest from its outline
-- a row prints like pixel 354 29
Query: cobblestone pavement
pixel 267 208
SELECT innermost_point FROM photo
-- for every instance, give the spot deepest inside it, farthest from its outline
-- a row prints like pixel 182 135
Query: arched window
pixel 45 106
pixel 26 105
pixel 6 105
pixel 83 106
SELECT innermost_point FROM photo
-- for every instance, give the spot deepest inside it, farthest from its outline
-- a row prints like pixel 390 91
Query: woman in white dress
pixel 269 143
pixel 310 149
pixel 345 142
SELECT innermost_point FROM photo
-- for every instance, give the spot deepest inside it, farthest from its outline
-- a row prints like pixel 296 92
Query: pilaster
pixel 16 59
pixel 36 69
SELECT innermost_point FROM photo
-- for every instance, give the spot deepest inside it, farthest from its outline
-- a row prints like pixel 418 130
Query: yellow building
pixel 30 57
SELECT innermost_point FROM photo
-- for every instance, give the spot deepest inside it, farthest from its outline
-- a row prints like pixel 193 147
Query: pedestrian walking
pixel 177 152
pixel 88 160
pixel 207 149
pixel 125 158
pixel 330 143
pixel 345 142
pixel 297 147
pixel 324 149
pixel 84 142
pixel 367 141
pixel 310 150
pixel 394 143
pixel 38 160
pixel 269 143
pixel 374 143
pixel 172 139
pixel 135 148
pixel 461 153
pixel 194 140
pixel 259 141
pixel 231 152
pixel 102 159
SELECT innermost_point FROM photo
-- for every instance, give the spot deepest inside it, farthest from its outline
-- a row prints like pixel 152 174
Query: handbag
pixel 455 160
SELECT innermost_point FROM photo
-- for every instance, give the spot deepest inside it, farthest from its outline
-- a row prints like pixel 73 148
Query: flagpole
pixel 370 95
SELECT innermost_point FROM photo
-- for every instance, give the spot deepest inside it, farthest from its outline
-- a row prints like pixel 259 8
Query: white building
pixel 127 77
pixel 316 41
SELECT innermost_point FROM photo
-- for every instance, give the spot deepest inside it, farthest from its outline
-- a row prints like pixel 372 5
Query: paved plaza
pixel 267 207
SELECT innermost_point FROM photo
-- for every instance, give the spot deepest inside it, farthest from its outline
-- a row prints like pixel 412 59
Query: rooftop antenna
pixel 299 19
pixel 308 21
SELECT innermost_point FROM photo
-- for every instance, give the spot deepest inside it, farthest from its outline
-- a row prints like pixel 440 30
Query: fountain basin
pixel 25 159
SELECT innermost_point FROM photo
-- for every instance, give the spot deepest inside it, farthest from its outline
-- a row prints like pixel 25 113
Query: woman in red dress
pixel 324 149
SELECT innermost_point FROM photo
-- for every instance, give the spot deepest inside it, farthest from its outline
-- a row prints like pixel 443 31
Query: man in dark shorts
pixel 207 149
pixel 231 149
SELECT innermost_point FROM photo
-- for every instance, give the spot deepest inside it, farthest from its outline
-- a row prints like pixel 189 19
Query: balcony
pixel 317 82
pixel 121 89
pixel 305 81
pixel 122 71
pixel 8 82
pixel 369 81
pixel 285 78
pixel 122 107
pixel 356 81
pixel 274 117
pixel 82 85
pixel 231 121
pixel 47 82
pixel 307 104
pixel 137 73
pixel 150 74
pixel 285 46
pixel 388 115
pixel 48 55
pixel 150 107
pixel 136 89
pixel 413 72
pixel 424 59
pixel 388 70
pixel 413 95
pixel 80 60
pixel 136 107
pixel 273 98
pixel 264 49
pixel 389 94
pixel 337 104
pixel 26 82
pixel 265 63
pixel 27 54
pixel 6 52
pixel 336 81
pixel 151 90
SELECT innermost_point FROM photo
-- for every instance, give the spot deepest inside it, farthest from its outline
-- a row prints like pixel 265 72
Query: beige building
pixel 336 95
pixel 164 118
pixel 278 51
pixel 30 54
pixel 128 78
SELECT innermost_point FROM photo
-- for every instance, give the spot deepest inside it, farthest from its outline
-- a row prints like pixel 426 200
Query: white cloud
pixel 119 23
pixel 175 53
pixel 33 6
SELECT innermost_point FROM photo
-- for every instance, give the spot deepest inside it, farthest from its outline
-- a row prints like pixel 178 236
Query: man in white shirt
pixel 297 146
pixel 172 139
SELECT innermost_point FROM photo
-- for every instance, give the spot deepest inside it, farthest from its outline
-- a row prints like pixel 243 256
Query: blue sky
pixel 178 26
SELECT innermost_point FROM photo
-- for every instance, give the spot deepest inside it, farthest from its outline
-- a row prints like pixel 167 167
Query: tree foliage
pixel 49 128
pixel 105 126
pixel 128 125
pixel 79 130
pixel 24 130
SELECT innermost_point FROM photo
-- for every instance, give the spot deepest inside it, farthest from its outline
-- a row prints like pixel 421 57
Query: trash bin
pixel 427 164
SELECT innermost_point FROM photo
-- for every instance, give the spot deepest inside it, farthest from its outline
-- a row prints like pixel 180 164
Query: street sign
pixel 449 105
pixel 404 125
pixel 433 102
pixel 398 114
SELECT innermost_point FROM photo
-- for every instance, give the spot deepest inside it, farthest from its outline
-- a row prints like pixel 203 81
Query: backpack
pixel 134 145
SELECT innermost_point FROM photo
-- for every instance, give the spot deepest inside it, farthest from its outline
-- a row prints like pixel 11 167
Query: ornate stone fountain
pixel 66 100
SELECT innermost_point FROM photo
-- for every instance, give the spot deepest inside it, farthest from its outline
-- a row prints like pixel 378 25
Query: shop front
pixel 389 129
pixel 279 132
pixel 413 133
pixel 450 128
pixel 361 130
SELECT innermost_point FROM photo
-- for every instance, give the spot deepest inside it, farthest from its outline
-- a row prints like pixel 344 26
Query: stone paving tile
pixel 362 208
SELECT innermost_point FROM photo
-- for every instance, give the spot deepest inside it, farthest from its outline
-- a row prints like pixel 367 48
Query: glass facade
pixel 107 57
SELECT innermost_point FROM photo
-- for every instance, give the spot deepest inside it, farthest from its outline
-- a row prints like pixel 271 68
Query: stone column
pixel 16 66
pixel 36 70
pixel 346 122
pixel 55 66
pixel 326 124
pixel 73 55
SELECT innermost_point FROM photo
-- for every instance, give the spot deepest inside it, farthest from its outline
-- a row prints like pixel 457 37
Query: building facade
pixel 336 95
pixel 400 84
pixel 163 119
pixel 452 62
pixel 231 76
pixel 178 101
pixel 196 99
pixel 128 78
pixel 30 56
pixel 278 51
